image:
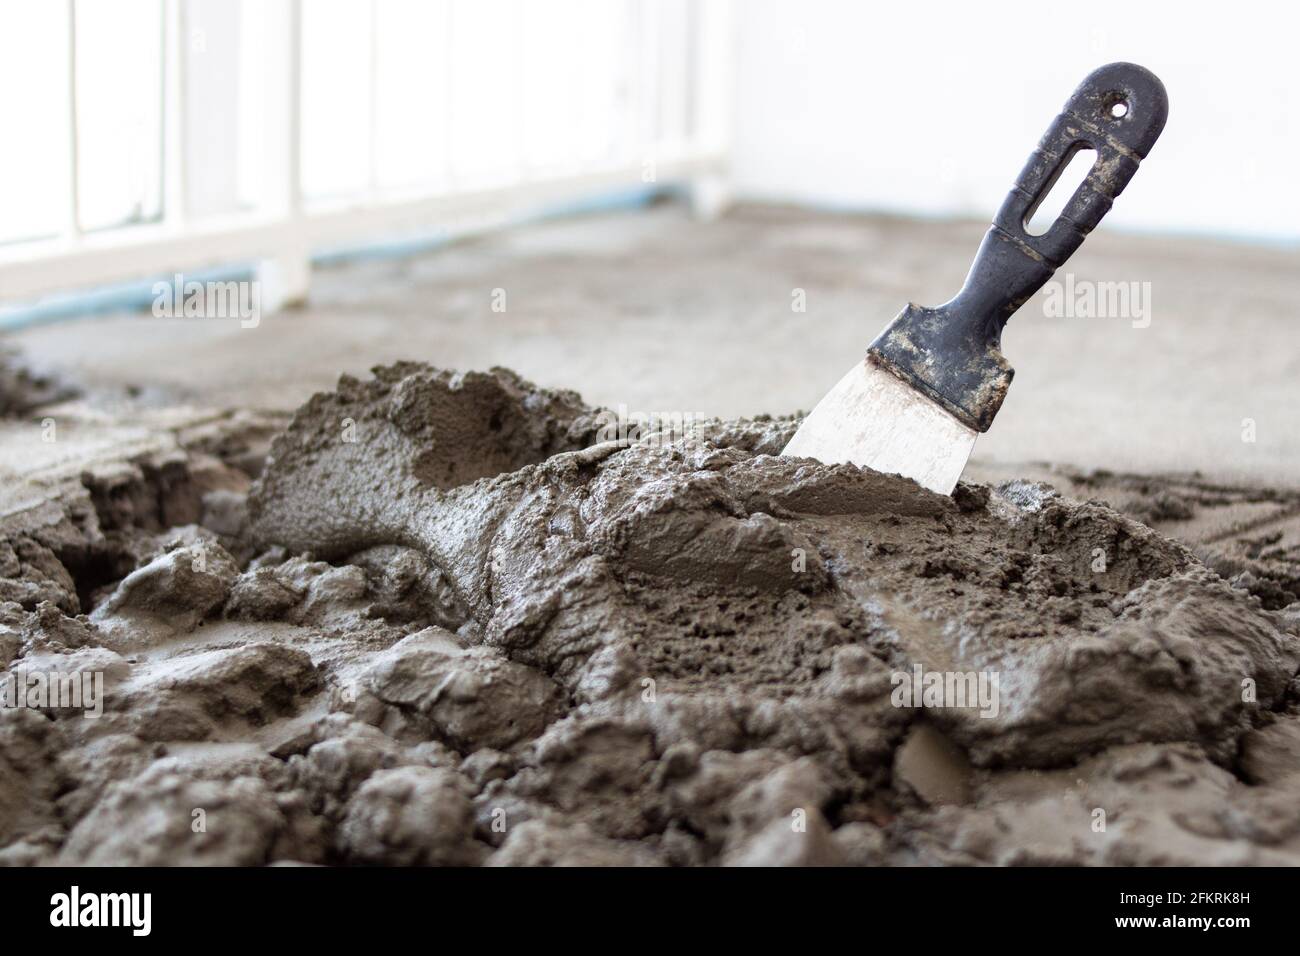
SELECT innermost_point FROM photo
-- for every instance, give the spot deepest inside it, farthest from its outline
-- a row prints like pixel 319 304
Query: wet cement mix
pixel 443 618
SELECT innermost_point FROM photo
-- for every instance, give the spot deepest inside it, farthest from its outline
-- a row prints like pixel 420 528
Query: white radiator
pixel 181 135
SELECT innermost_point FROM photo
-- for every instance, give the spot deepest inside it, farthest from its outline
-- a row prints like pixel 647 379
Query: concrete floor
pixel 659 313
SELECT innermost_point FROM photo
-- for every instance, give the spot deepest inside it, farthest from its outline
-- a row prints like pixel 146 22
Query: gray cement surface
pixel 257 629
pixel 659 313
pixel 604 654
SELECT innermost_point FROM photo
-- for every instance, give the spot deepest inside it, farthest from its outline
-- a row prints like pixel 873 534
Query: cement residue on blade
pixel 457 625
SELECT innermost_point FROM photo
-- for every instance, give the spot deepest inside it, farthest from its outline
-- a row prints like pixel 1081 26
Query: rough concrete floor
pixel 659 313
pixel 289 697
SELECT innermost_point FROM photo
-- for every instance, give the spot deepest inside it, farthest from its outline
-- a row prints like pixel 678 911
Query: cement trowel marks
pixel 456 627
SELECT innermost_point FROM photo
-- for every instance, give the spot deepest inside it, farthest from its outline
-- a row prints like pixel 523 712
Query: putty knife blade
pixel 874 420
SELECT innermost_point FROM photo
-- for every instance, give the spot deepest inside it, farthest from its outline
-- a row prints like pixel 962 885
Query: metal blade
pixel 875 420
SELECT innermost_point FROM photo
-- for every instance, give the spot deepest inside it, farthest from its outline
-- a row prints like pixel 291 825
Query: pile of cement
pixel 449 624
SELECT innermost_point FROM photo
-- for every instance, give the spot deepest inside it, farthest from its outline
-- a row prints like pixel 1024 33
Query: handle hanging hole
pixel 1115 106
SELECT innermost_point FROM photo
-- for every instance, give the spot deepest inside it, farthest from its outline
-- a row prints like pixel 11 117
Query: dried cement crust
pixel 453 625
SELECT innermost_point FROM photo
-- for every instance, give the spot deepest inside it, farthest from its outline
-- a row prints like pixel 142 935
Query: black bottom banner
pixel 334 906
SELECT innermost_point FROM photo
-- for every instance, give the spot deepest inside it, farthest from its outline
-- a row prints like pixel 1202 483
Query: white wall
pixel 932 108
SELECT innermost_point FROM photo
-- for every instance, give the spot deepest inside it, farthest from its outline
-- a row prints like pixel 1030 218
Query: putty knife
pixel 934 378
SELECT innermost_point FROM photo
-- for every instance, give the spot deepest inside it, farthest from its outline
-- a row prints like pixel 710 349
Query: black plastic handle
pixel 952 353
